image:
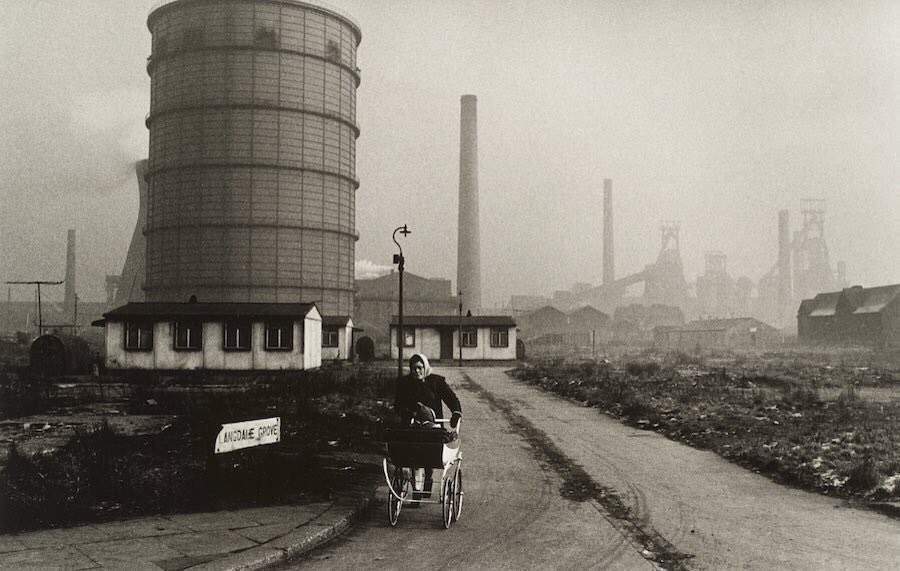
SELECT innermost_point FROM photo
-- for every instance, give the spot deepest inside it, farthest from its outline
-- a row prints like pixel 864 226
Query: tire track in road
pixel 578 486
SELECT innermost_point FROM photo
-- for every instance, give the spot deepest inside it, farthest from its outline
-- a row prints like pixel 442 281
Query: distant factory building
pixel 583 326
pixel 377 301
pixel 732 333
pixel 543 322
pixel 337 338
pixel 636 322
pixel 483 337
pixel 852 316
pixel 213 336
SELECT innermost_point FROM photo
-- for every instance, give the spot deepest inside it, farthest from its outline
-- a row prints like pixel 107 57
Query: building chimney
pixel 468 256
pixel 785 294
pixel 609 263
pixel 69 295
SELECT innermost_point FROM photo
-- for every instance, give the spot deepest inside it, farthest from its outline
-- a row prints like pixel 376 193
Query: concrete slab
pixel 284 514
pixel 303 538
pixel 208 543
pixel 255 558
pixel 211 521
pixel 60 536
pixel 141 527
pixel 264 533
pixel 128 552
pixel 65 557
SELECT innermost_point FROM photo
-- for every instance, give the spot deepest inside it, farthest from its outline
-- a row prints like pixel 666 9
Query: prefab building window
pixel 499 337
pixel 330 337
pixel 409 336
pixel 470 337
pixel 188 335
pixel 279 335
pixel 138 336
pixel 238 336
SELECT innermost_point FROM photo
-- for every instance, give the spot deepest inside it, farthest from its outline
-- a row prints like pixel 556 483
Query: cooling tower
pixel 252 170
pixel 609 264
pixel 69 296
pixel 133 272
pixel 468 256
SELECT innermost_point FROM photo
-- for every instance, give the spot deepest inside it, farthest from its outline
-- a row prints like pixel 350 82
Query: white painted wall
pixel 428 343
pixel 306 353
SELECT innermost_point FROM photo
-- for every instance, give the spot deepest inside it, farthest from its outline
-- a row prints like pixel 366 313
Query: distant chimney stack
pixel 785 293
pixel 609 264
pixel 70 295
pixel 468 256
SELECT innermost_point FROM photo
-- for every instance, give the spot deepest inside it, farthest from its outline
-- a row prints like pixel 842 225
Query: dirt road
pixel 526 452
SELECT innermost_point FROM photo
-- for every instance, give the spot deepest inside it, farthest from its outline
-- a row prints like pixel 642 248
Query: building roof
pixel 721 324
pixel 199 309
pixel 874 299
pixel 858 300
pixel 336 320
pixel 588 312
pixel 823 305
pixel 454 320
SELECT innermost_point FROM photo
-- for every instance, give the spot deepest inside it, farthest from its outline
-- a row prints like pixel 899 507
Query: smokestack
pixel 69 296
pixel 134 271
pixel 468 260
pixel 609 262
pixel 784 262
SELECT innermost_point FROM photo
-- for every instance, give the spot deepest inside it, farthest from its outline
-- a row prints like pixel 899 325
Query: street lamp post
pixel 459 332
pixel 398 259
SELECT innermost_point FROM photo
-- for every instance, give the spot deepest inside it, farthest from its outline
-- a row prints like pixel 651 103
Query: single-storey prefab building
pixel 214 336
pixel 732 333
pixel 337 337
pixel 484 337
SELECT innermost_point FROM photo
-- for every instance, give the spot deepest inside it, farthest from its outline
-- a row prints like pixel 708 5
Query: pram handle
pixel 447 420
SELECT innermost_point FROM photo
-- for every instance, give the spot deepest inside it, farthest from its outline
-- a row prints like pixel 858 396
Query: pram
pixel 411 448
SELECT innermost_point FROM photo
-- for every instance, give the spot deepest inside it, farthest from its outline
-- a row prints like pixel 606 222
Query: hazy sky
pixel 716 114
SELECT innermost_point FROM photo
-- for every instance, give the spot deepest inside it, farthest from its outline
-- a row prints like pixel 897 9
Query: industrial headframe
pixel 252 166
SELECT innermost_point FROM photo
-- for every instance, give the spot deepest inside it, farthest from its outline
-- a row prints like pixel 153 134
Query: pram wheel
pixel 399 484
pixel 457 493
pixel 447 503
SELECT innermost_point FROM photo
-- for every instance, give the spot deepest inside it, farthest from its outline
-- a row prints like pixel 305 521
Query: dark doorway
pixel 446 344
pixel 520 349
pixel 365 349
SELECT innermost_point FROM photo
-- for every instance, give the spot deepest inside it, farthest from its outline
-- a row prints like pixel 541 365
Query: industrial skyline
pixel 716 115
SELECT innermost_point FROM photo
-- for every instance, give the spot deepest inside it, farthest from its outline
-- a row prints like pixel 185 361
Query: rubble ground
pixel 828 424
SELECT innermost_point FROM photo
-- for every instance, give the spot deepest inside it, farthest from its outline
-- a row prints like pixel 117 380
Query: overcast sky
pixel 716 114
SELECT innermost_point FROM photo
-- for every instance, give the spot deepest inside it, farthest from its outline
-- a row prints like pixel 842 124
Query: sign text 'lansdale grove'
pixel 249 433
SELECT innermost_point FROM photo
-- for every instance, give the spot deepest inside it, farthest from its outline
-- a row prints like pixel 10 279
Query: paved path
pixel 239 539
pixel 704 512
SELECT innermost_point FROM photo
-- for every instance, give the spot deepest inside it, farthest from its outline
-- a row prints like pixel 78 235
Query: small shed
pixel 483 337
pixel 213 336
pixel 337 337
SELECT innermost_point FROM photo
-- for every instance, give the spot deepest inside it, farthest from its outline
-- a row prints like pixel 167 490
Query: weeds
pixel 101 474
pixel 775 421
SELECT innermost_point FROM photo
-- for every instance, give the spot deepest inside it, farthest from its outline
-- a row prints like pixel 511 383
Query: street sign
pixel 249 433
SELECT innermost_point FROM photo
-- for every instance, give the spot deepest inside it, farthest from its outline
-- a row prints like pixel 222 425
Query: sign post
pixel 247 434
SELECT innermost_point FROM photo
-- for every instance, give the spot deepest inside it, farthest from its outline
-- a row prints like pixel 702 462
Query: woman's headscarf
pixel 423 359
